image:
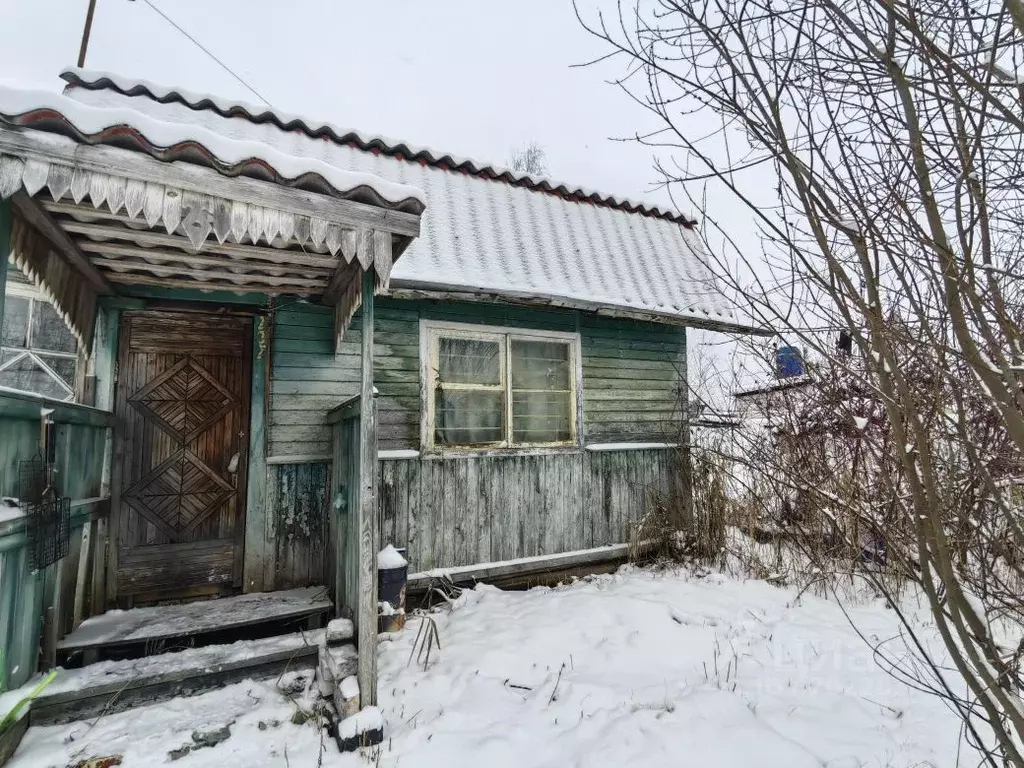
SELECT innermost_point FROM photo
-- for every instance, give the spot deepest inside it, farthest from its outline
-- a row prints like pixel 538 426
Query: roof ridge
pixel 95 80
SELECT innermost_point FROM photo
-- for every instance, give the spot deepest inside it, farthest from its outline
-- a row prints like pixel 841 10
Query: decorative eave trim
pixel 197 200
pixel 198 215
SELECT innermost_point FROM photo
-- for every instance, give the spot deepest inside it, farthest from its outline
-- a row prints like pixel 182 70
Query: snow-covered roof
pixel 486 230
pixel 120 125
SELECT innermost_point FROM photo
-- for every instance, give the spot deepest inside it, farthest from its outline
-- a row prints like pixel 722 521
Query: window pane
pixel 540 365
pixel 49 331
pixel 64 367
pixel 15 325
pixel 29 376
pixel 468 361
pixel 541 388
pixel 468 417
pixel 541 417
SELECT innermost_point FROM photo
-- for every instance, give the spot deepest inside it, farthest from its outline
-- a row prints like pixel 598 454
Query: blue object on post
pixel 788 362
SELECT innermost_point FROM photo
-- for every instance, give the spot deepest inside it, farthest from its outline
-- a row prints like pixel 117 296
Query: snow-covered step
pixel 114 686
pixel 142 627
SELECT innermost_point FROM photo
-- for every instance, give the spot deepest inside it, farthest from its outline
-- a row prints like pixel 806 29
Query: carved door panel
pixel 183 407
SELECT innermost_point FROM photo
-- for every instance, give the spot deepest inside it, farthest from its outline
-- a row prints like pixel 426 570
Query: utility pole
pixel 85 33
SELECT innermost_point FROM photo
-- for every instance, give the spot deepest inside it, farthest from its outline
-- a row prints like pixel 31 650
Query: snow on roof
pixel 119 124
pixel 98 80
pixel 486 230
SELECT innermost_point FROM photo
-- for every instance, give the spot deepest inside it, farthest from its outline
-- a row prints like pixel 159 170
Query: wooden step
pixel 114 686
pixel 141 627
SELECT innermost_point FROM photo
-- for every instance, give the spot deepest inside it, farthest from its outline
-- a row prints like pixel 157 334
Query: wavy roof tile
pixel 485 229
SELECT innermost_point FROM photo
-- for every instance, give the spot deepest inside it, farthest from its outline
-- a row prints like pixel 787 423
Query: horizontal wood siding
pixel 463 511
pixel 634 376
pixel 307 379
pixel 633 372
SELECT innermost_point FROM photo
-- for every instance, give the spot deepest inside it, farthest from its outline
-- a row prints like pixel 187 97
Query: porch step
pixel 141 631
pixel 114 686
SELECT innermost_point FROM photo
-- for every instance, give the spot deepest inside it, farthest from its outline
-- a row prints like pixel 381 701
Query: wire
pixel 209 53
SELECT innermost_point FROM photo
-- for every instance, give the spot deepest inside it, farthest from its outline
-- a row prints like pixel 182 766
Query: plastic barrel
pixel 788 362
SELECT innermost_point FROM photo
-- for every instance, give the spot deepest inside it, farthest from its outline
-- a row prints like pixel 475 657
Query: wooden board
pixel 141 625
pixel 183 404
pixel 115 686
pixel 466 511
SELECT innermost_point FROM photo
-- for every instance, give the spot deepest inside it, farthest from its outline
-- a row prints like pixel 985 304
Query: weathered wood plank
pixel 42 221
pixel 6 220
pixel 368 534
pixel 254 573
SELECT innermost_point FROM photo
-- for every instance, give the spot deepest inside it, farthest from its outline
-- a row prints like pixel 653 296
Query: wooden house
pixel 231 271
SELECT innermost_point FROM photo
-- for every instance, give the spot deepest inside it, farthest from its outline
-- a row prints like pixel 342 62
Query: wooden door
pixel 183 388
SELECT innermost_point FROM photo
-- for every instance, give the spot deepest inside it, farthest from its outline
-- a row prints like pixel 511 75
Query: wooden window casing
pixel 433 333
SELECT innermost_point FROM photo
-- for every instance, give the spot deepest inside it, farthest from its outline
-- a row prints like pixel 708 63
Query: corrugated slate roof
pixel 120 125
pixel 485 229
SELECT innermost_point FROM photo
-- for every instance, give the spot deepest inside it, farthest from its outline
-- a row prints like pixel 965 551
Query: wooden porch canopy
pixel 99 204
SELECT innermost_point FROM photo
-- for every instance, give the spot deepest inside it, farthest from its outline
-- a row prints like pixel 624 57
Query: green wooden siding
pixel 463 511
pixel 25 595
pixel 632 371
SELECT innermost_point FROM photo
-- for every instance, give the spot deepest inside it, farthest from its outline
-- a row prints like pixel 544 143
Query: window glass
pixel 502 389
pixel 541 392
pixel 469 417
pixel 28 375
pixel 15 324
pixel 469 361
pixel 64 367
pixel 49 331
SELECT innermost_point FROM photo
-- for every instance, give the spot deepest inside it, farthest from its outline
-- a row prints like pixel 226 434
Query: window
pixel 37 351
pixel 497 388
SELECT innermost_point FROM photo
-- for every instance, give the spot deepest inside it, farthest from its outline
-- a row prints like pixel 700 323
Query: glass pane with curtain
pixel 15 321
pixel 469 417
pixel 49 331
pixel 542 384
pixel 468 361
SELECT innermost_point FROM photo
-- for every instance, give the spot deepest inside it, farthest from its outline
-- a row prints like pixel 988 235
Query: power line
pixel 209 53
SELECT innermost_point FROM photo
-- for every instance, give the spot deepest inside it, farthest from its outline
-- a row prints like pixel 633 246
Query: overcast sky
pixel 470 77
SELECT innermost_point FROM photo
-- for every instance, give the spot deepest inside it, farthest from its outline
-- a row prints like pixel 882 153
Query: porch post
pixel 367 509
pixel 5 250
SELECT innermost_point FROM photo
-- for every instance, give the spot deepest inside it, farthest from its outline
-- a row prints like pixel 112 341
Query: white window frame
pixel 32 352
pixel 432 330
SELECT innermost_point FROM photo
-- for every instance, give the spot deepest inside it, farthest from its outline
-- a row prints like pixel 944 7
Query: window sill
pixel 488 453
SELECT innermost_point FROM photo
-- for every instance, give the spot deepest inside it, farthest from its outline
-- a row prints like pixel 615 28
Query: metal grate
pixel 47 514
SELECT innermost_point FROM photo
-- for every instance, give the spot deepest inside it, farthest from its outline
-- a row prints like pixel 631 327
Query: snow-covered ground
pixel 637 668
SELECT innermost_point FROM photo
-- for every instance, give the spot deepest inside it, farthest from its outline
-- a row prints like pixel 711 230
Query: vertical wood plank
pixel 403 499
pixel 473 511
pixel 387 504
pixel 368 536
pixel 253 568
pixel 429 515
pixel 95 546
pixel 85 547
pixel 450 511
pixel 5 249
pixel 485 511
